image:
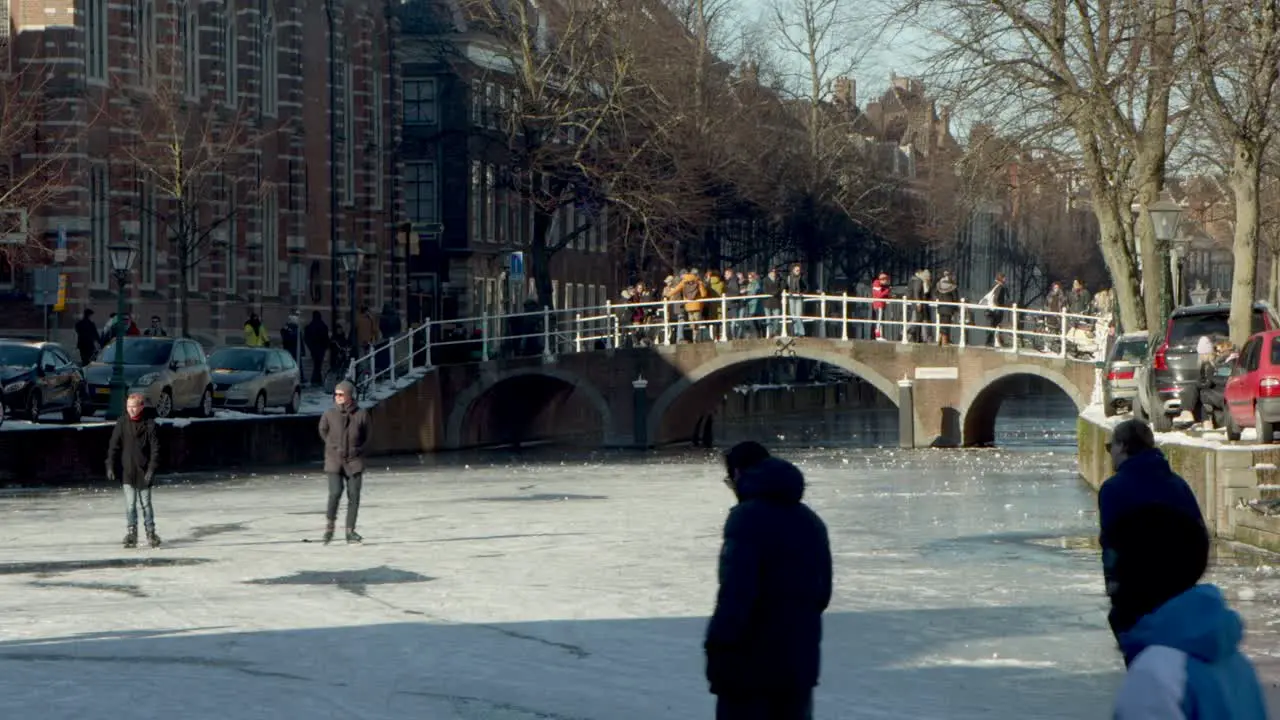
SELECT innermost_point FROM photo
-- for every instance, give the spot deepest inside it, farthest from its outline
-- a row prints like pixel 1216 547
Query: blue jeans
pixel 132 497
pixel 773 326
pixel 796 308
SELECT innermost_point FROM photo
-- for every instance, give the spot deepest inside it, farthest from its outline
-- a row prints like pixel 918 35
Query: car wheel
pixel 206 404
pixel 1266 431
pixel 260 402
pixel 294 403
pixel 76 411
pixel 1162 423
pixel 33 406
pixel 1108 406
pixel 1233 430
pixel 164 408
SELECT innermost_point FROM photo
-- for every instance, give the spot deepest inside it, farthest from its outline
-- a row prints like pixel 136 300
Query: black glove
pixel 150 477
pixel 111 474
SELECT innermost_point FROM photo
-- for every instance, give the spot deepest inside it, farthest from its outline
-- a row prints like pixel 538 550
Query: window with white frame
pixel 591 296
pixel 376 131
pixel 146 38
pixel 270 75
pixel 271 243
pixel 503 217
pixel 555 294
pixel 190 30
pixel 95 40
pixel 420 191
pixel 230 273
pixel 419 101
pixel 231 53
pixel 147 227
pixel 490 105
pixel 99 227
pixel 580 295
pixel 490 202
pixel 477 105
pixel 349 134
pixel 477 199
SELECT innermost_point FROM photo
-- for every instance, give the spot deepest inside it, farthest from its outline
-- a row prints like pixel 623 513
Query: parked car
pixel 256 378
pixel 1168 380
pixel 38 377
pixel 171 373
pixel 1252 394
pixel 1120 386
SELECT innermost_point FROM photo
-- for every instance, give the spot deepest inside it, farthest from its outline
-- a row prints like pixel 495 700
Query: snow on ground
pixel 565 590
pixel 1207 439
pixel 314 402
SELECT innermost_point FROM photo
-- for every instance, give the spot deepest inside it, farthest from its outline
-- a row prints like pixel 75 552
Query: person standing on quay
pixel 763 643
pixel 1181 643
pixel 133 455
pixel 344 429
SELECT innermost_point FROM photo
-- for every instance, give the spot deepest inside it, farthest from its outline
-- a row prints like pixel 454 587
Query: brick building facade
pixel 250 79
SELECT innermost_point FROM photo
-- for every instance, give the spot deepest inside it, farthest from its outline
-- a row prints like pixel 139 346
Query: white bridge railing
pixel 550 332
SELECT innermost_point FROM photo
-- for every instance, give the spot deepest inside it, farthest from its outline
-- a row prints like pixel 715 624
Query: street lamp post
pixel 122 257
pixel 1165 214
pixel 1181 246
pixel 351 258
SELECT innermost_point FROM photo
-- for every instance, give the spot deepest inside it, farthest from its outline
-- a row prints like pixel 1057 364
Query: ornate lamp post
pixel 351 258
pixel 122 257
pixel 1165 214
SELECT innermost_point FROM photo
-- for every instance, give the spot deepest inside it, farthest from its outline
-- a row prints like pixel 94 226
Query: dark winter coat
pixel 86 335
pixel 946 291
pixel 732 289
pixel 1081 302
pixel 1151 532
pixel 773 289
pixel 999 301
pixel 133 454
pixel 775 583
pixel 316 336
pixel 345 432
pixel 796 284
pixel 915 288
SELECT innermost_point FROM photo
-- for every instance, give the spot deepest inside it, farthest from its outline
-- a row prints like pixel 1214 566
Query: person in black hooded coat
pixel 763 642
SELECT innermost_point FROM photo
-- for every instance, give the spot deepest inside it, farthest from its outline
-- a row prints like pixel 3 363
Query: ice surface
pixel 564 590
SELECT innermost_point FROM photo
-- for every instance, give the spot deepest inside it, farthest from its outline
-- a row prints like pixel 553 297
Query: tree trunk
pixel 1245 180
pixel 1155 259
pixel 1273 296
pixel 184 265
pixel 1117 252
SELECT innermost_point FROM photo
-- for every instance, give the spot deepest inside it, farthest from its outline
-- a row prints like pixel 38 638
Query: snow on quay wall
pixel 1232 481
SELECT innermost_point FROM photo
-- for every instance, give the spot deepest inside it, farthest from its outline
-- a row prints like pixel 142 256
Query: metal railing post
pixel 546 333
pixel 577 332
pixel 937 323
pixel 822 315
pixel 617 331
pixel 844 315
pixel 391 350
pixel 724 318
pixel 1015 327
pixel 484 337
pixel 906 310
pixel 964 320
pixel 666 323
pixel 426 340
pixel 1062 333
pixel 608 325
pixel 785 308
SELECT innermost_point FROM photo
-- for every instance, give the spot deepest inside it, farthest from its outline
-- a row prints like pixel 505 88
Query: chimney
pixel 842 91
pixel 944 117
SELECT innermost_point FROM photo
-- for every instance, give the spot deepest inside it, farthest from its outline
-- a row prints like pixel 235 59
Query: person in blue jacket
pixel 763 642
pixel 1180 641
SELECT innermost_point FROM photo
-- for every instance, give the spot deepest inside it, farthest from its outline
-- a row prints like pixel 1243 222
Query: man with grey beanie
pixel 344 429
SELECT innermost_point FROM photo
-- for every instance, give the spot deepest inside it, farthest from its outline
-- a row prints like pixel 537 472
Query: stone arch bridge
pixel 599 394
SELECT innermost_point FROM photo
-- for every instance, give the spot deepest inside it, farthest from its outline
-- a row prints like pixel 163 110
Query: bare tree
pixel 195 166
pixel 35 159
pixel 1096 72
pixel 1237 60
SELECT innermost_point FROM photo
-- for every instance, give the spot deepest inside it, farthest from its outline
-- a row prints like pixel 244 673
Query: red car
pixel 1253 390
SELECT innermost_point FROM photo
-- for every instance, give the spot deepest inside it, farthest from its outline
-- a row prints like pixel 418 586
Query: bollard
pixel 640 418
pixel 906 415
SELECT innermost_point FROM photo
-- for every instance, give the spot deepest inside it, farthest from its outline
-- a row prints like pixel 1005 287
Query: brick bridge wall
pixel 591 395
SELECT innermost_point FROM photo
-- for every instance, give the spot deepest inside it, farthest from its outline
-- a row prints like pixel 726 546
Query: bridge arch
pixel 730 358
pixel 983 396
pixel 550 386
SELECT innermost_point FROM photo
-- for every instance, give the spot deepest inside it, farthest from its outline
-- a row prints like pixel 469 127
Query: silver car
pixel 169 372
pixel 256 378
pixel 1120 373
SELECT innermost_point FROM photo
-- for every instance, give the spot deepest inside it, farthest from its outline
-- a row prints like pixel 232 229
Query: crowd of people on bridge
pixel 730 304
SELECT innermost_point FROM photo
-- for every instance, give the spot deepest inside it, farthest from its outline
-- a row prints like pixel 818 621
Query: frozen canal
pixel 559 589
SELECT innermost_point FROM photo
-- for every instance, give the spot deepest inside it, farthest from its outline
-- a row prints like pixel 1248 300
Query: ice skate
pixel 131 538
pixel 328 533
pixel 153 539
pixel 353 536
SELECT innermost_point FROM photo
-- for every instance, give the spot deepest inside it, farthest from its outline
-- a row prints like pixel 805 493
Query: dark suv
pixel 1169 378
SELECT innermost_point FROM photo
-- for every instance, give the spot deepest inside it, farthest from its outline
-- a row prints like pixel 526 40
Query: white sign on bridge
pixel 937 373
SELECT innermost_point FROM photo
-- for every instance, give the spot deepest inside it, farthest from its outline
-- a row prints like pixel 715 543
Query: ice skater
pixel 764 640
pixel 344 429
pixel 1181 643
pixel 133 455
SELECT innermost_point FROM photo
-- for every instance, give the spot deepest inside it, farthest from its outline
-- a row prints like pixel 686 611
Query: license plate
pixel 104 391
pixel 219 395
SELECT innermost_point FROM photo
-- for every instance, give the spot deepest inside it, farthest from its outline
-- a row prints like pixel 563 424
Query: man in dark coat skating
pixel 344 429
pixel 763 643
pixel 133 455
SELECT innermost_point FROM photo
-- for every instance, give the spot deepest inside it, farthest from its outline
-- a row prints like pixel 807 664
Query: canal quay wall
pixel 1231 481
